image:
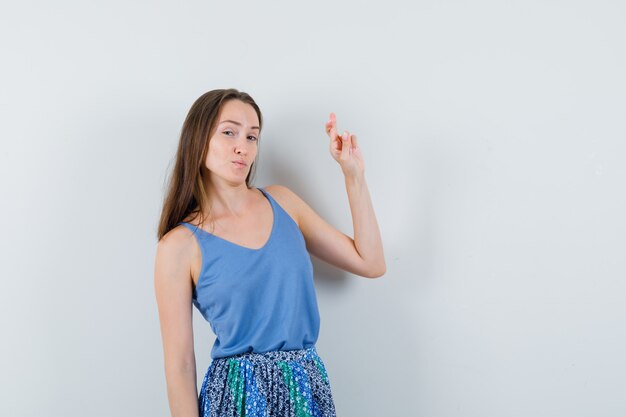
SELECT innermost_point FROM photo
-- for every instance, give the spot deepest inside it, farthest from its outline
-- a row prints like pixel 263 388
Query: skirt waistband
pixel 309 353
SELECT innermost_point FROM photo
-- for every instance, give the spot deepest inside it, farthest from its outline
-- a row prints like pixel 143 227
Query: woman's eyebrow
pixel 238 124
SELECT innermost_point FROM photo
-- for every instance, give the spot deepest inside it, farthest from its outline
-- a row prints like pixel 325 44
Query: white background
pixel 494 142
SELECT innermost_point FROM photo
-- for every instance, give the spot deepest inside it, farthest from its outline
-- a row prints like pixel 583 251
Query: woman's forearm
pixel 367 238
pixel 182 393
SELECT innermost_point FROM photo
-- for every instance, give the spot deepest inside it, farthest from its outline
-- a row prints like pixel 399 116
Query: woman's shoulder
pixel 278 190
pixel 177 239
pixel 286 198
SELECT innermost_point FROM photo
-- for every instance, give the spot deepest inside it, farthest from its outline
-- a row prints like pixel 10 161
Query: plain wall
pixel 494 140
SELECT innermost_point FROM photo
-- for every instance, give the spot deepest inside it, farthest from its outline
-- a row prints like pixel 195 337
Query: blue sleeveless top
pixel 257 300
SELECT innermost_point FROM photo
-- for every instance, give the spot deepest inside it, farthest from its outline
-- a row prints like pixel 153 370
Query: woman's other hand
pixel 345 149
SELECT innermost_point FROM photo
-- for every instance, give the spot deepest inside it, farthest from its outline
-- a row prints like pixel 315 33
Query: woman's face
pixel 233 146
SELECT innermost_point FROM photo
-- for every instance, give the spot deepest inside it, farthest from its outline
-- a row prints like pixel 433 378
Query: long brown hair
pixel 186 191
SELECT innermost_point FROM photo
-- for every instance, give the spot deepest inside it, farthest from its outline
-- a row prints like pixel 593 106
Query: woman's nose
pixel 241 146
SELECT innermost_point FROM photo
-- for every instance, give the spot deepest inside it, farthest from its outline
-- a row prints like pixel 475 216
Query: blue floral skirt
pixel 282 383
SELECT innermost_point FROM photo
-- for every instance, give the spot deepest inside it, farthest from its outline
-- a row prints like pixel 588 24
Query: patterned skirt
pixel 282 383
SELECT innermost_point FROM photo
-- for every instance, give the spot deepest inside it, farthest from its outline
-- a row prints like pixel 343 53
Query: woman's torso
pixel 254 284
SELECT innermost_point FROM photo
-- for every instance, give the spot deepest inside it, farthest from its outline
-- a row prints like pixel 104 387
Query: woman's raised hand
pixel 345 149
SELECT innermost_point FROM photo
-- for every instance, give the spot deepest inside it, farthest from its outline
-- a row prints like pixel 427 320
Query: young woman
pixel 241 255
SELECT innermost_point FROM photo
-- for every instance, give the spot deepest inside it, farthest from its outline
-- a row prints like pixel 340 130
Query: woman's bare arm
pixel 362 255
pixel 173 288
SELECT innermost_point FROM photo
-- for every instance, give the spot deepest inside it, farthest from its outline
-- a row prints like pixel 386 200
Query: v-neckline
pixel 267 242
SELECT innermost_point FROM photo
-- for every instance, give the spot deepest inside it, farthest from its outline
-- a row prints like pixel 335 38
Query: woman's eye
pixel 231 133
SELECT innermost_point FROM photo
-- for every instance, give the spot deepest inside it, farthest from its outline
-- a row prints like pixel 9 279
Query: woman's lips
pixel 239 164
